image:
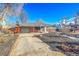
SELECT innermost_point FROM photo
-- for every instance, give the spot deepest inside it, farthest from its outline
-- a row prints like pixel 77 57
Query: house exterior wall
pixel 24 30
pixel 29 29
pixel 51 30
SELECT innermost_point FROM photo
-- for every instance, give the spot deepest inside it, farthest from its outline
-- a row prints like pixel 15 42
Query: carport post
pixel 45 29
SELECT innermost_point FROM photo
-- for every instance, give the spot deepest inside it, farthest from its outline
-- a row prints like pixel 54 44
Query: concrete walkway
pixel 26 45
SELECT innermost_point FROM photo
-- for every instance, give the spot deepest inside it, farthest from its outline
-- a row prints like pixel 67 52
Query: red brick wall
pixel 51 30
pixel 32 29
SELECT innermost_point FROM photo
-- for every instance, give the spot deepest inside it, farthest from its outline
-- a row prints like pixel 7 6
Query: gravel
pixel 62 44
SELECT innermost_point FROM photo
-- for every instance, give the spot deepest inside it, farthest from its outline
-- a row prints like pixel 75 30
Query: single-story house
pixel 33 27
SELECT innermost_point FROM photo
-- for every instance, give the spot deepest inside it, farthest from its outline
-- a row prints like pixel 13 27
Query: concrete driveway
pixel 27 45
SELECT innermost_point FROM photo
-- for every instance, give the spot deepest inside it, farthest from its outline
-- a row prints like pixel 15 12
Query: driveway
pixel 28 45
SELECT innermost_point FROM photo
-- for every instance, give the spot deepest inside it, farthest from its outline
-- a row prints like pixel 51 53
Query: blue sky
pixel 50 12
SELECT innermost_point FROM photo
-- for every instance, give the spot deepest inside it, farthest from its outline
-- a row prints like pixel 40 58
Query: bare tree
pixel 9 9
pixel 23 17
pixel 76 20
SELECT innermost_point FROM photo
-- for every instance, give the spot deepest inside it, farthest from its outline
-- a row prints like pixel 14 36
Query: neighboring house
pixel 77 28
pixel 66 29
pixel 51 28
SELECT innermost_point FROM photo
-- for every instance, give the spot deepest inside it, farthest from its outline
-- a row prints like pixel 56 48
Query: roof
pixel 30 24
pixel 34 24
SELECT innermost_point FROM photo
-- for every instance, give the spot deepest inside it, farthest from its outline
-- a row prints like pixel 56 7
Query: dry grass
pixel 4 38
pixel 6 42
